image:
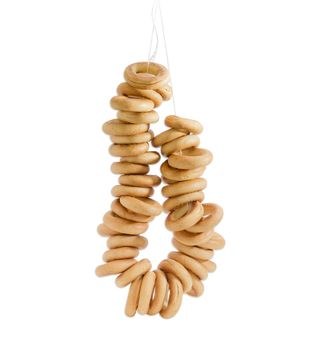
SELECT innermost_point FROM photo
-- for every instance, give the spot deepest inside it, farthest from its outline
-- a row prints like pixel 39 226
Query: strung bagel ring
pixel 114 267
pixel 176 201
pixel 117 241
pixel 139 180
pixel 145 158
pixel 131 104
pixel 120 253
pixel 129 91
pixel 166 92
pixel 120 128
pixel 215 242
pixel 124 213
pixel 138 118
pixel 133 297
pixel 146 291
pixel 160 290
pixel 180 175
pixel 191 221
pixel 209 265
pixel 190 263
pixel 184 187
pixel 146 75
pixel 118 224
pixel 190 158
pixel 213 215
pixel 135 270
pixel 104 230
pixel 130 150
pixel 192 239
pixel 143 206
pixel 180 144
pixel 197 286
pixel 121 190
pixel 175 297
pixel 139 138
pixel 167 136
pixel 193 251
pixel 129 168
pixel 191 126
pixel 183 222
pixel 172 266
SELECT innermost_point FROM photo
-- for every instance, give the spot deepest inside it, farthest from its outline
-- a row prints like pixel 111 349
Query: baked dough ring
pixel 140 180
pixel 144 206
pixel 175 297
pixel 146 75
pixel 128 104
pixel 209 265
pixel 133 297
pixel 174 267
pixel 138 118
pixel 118 241
pixel 129 168
pixel 215 242
pixel 190 239
pixel 180 175
pixel 103 230
pixel 190 158
pixel 193 215
pixel 167 136
pixel 124 226
pixel 180 144
pixel 184 187
pixel 197 286
pixel 124 213
pixel 190 263
pixel 114 267
pixel 129 91
pixel 132 150
pixel 193 251
pixel 122 190
pixel 118 128
pixel 146 292
pixel 166 92
pixel 180 123
pixel 146 158
pixel 139 138
pixel 136 270
pixel 160 290
pixel 176 201
pixel 168 181
pixel 120 253
pixel 213 215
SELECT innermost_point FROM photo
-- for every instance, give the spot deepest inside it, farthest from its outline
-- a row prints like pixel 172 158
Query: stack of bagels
pixel 191 221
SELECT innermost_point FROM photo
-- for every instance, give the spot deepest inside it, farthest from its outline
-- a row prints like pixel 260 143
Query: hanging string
pixel 152 55
pixel 156 8
pixel 167 56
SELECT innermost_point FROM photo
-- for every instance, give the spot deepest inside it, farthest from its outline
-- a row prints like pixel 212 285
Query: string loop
pixel 156 9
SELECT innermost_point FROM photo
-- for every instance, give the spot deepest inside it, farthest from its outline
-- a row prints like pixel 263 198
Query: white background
pixel 242 68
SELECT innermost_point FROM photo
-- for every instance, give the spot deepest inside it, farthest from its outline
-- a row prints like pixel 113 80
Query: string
pixel 156 8
pixel 151 56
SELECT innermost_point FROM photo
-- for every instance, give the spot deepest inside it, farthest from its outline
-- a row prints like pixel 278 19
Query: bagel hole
pixel 159 238
pixel 145 75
